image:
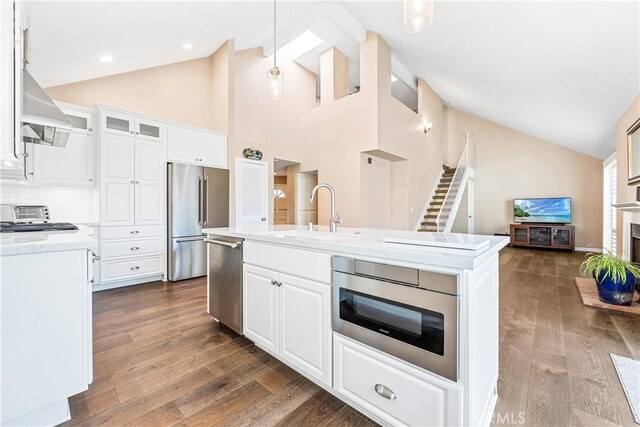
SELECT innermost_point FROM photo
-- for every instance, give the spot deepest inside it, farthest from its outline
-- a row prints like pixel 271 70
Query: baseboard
pixel 594 250
pixel 137 281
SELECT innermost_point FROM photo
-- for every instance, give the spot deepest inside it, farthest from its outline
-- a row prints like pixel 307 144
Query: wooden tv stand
pixel 550 236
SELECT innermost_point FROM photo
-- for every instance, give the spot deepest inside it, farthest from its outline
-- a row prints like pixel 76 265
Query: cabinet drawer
pixel 129 268
pixel 302 263
pixel 412 396
pixel 131 231
pixel 134 247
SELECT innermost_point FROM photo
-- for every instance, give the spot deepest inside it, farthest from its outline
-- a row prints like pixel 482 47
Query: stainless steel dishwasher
pixel 224 281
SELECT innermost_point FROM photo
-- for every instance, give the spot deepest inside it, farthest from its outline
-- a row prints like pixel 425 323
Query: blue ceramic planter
pixel 616 293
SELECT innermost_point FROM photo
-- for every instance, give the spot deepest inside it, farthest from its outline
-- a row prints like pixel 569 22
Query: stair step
pixel 428 223
pixel 423 230
pixel 441 191
pixel 435 203
pixel 448 174
pixel 444 185
pixel 433 209
pixel 439 197
pixel 431 216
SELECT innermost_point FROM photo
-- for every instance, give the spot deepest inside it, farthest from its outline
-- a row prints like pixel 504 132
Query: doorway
pixel 283 191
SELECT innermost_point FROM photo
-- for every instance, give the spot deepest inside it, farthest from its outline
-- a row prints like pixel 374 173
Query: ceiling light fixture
pixel 275 77
pixel 418 15
pixel 187 46
pixel 106 58
pixel 300 45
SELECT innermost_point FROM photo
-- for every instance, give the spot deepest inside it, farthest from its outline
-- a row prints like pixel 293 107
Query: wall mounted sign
pixel 252 153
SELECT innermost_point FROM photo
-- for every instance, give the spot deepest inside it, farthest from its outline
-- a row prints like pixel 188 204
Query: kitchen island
pixel 402 326
pixel 45 312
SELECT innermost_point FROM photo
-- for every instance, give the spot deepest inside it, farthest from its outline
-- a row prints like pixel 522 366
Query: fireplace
pixel 634 243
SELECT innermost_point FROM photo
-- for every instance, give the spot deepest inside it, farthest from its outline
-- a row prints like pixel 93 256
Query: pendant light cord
pixel 275 46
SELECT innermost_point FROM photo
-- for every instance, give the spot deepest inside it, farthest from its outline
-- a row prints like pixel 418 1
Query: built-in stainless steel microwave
pixel 408 313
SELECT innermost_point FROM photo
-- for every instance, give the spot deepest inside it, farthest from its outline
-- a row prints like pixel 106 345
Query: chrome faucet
pixel 335 218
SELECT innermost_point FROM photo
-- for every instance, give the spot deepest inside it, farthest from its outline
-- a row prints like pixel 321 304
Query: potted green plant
pixel 615 278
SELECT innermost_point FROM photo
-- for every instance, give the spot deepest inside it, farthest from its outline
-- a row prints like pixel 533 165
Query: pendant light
pixel 275 76
pixel 418 15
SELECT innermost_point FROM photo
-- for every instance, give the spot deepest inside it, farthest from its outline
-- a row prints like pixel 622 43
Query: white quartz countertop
pixel 27 243
pixel 460 251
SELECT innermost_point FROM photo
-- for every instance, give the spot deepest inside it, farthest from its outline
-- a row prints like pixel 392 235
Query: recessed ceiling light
pixel 393 78
pixel 300 45
pixel 187 46
pixel 106 58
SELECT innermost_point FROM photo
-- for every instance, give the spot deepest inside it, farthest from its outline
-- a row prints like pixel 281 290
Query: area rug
pixel 629 373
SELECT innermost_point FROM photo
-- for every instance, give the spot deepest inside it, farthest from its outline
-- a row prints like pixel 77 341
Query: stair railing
pixel 451 202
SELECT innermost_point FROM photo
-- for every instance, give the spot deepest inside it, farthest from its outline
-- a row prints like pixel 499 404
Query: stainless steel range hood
pixel 42 120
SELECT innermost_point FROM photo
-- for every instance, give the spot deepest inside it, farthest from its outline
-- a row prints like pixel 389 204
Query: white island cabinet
pixel 45 311
pixel 292 309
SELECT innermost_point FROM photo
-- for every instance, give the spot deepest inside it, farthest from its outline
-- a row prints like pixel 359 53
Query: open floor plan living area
pixel 305 213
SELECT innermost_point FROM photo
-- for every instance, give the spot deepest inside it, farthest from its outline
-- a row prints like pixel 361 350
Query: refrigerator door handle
pixel 205 200
pixel 200 201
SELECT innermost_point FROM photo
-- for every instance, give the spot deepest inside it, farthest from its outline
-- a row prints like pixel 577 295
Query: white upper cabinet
pixel 72 165
pixel 182 144
pixel 81 118
pixel 150 129
pixel 117 122
pixel 200 147
pixel 212 150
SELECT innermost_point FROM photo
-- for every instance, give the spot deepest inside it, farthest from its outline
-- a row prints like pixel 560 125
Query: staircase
pixel 436 203
pixel 446 196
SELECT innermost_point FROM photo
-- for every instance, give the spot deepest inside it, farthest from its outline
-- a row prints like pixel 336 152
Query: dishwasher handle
pixel 231 245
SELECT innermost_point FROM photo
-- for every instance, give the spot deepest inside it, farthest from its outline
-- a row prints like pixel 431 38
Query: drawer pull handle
pixel 134 248
pixel 385 392
pixel 135 267
pixel 134 232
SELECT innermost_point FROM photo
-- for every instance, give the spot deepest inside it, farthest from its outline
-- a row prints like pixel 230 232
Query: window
pixel 278 193
pixel 610 197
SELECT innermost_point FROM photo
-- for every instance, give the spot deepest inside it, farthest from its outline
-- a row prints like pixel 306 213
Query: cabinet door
pixel 305 326
pixel 72 165
pixel 149 178
pixel 118 181
pixel 561 237
pixel 118 123
pixel 150 129
pixel 212 150
pixel 182 144
pixel 260 307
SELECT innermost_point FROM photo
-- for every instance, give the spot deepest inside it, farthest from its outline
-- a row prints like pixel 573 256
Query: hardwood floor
pixel 161 360
pixel 555 368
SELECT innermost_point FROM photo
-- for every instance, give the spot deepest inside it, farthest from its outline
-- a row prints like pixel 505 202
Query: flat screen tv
pixel 556 210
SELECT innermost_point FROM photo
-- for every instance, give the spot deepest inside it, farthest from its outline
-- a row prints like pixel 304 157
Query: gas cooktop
pixel 18 227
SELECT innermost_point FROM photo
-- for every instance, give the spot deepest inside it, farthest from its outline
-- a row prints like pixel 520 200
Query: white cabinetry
pixel 196 146
pixel 72 165
pixel 47 348
pixel 288 315
pixel 132 198
pixel 11 146
pixel 393 390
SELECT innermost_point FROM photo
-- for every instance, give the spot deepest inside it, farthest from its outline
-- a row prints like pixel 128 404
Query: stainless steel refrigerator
pixel 198 198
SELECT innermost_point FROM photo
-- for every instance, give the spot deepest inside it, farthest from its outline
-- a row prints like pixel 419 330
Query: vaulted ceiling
pixel 563 71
